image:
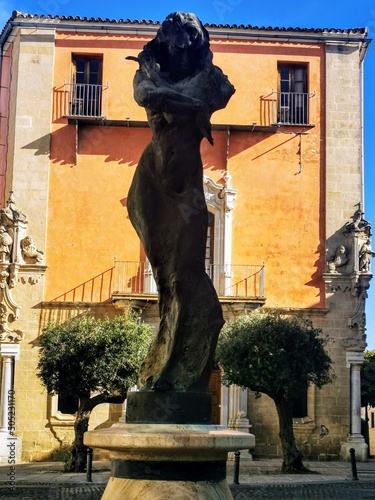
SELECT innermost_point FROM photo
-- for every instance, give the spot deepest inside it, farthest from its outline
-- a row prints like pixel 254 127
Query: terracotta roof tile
pixel 271 30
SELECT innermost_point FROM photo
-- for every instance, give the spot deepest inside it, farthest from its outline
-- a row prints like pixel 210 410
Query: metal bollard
pixel 354 465
pixel 236 473
pixel 89 465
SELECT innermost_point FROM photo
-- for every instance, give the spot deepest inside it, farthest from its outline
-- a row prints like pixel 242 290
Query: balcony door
pixel 87 82
pixel 293 97
pixel 220 204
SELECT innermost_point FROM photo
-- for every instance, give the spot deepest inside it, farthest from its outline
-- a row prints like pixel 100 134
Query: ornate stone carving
pixel 340 259
pixel 32 279
pixel 358 233
pixel 6 242
pixel 219 196
pixel 353 344
pixel 15 246
pixel 336 282
pixel 9 311
pixel 358 224
pixel 365 254
pixel 11 214
pixel 30 252
pixel 357 318
pixel 357 285
pixel 18 254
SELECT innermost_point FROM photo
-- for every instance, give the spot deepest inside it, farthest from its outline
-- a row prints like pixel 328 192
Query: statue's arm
pixel 163 98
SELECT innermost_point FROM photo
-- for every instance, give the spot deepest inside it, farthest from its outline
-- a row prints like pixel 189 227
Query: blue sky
pixel 312 14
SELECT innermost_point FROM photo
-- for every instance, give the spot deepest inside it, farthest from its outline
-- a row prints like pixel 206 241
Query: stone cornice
pixel 149 27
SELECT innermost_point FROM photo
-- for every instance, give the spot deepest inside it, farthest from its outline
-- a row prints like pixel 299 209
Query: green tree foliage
pixel 368 380
pixel 278 356
pixel 95 361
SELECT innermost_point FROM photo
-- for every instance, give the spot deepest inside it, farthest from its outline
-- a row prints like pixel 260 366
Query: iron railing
pixel 83 100
pixel 292 108
pixel 229 280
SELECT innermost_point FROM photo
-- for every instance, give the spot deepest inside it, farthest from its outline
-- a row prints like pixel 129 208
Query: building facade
pixel 283 185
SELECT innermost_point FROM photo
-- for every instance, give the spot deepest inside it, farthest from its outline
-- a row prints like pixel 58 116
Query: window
pixel 300 405
pixel 293 98
pixel 86 87
pixel 67 405
pixel 87 70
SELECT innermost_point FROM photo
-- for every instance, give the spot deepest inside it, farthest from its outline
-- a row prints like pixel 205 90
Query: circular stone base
pixel 168 461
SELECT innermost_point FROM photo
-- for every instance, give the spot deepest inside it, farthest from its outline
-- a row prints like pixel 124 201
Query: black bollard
pixel 236 473
pixel 89 465
pixel 354 465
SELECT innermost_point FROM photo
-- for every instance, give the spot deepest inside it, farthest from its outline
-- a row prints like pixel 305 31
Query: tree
pixel 368 380
pixel 95 361
pixel 368 386
pixel 280 357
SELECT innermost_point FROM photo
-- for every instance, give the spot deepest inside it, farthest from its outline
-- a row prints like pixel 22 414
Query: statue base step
pixel 170 407
pixel 160 461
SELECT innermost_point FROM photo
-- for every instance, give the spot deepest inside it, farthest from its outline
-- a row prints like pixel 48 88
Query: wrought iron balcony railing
pixel 229 280
pixel 292 108
pixel 83 100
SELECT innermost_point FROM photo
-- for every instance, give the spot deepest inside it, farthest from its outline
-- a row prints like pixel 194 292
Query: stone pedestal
pixel 168 461
pixel 359 446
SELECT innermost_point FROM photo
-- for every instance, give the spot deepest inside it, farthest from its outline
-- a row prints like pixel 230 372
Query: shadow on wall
pixel 121 145
pixel 316 278
pixel 96 289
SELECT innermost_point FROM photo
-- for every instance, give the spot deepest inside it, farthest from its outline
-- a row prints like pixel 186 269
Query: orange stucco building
pixel 283 184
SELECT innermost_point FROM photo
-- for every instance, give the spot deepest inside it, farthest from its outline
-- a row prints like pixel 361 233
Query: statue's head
pixel 182 31
pixel 180 47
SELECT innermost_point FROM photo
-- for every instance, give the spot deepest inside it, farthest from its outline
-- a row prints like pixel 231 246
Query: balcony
pixel 84 101
pixel 292 108
pixel 243 282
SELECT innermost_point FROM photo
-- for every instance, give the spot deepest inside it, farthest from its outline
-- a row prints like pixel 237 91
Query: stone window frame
pixel 220 200
pixel 310 417
pixel 56 417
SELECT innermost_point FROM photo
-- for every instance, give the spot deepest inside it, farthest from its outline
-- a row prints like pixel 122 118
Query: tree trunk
pixel 78 459
pixel 292 458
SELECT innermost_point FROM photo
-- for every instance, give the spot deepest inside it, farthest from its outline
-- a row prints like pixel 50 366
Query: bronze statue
pixel 180 88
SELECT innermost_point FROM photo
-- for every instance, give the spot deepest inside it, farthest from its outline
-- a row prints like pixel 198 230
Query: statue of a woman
pixel 180 88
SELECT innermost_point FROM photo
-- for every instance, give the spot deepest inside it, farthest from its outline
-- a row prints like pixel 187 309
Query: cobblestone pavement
pixel 259 480
pixel 48 491
pixel 331 491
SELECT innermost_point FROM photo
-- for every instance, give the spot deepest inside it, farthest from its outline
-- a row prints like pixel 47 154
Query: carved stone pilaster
pixel 9 311
pixel 349 271
pixel 20 261
pixel 356 285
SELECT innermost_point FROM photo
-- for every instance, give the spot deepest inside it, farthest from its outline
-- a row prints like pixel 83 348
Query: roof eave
pixel 296 35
